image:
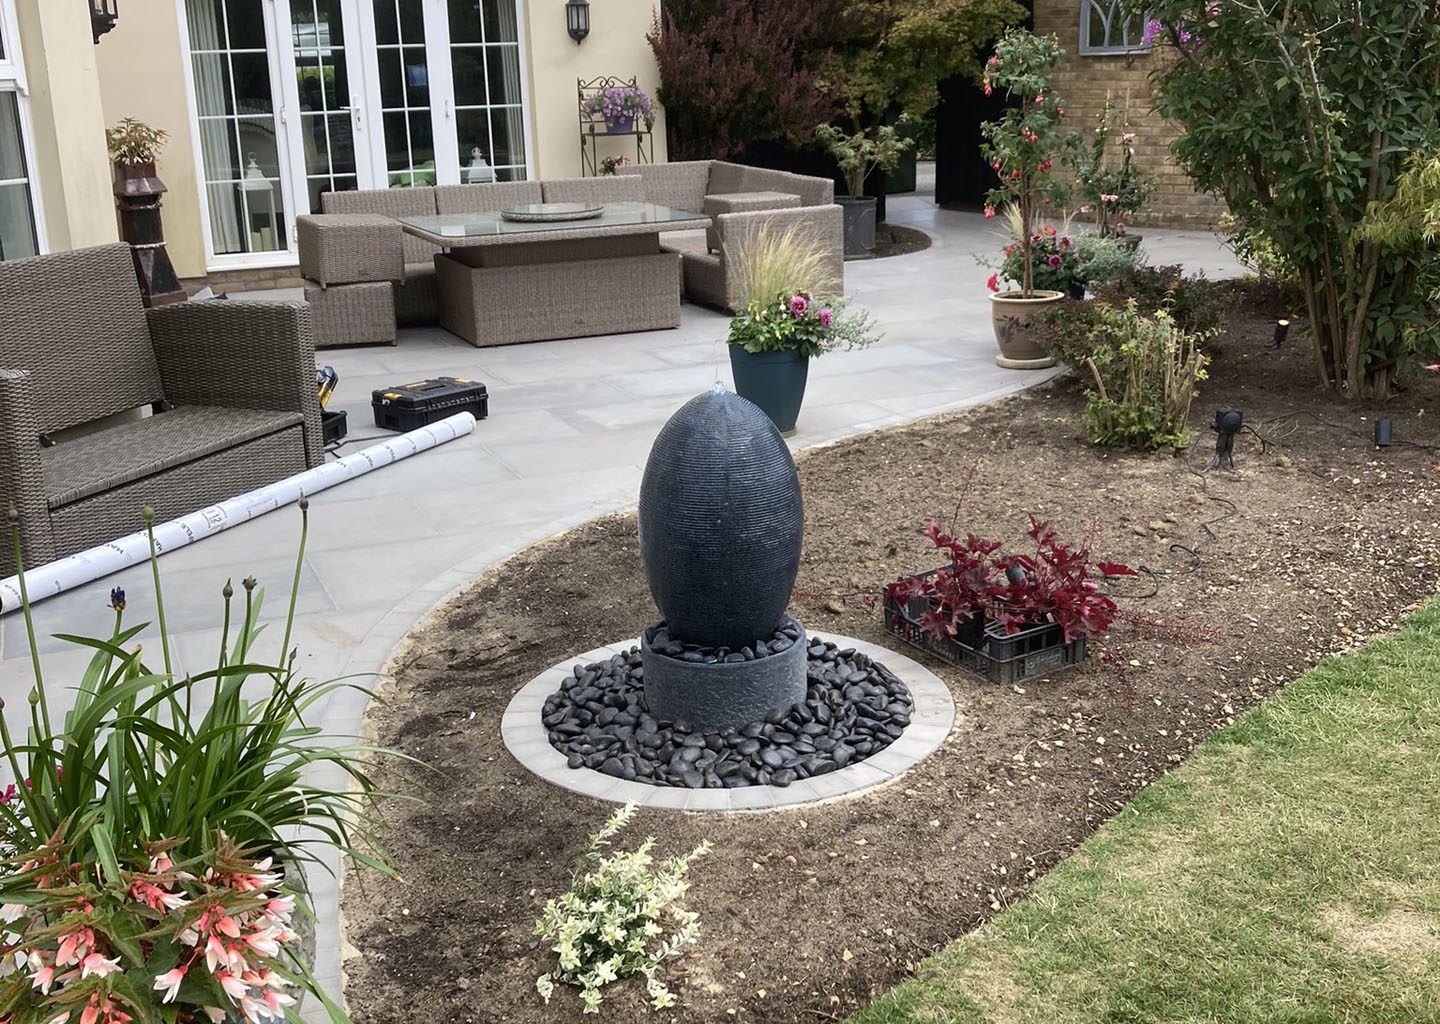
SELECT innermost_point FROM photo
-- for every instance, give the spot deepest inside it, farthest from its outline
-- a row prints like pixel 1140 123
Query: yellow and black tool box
pixel 409 406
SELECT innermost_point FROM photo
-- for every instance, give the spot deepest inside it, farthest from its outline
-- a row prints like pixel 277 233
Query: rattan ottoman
pixel 352 314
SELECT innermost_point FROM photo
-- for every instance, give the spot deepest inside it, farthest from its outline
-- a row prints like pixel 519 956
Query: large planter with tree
pixel 133 147
pixel 858 154
pixel 1023 147
pixel 786 320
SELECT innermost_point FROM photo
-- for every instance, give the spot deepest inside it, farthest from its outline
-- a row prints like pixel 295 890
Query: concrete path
pixel 570 427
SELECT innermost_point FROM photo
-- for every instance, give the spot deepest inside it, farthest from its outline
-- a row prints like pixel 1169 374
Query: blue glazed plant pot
pixel 775 381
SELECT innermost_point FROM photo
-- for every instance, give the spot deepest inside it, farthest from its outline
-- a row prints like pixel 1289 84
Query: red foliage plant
pixel 1058 583
pixel 737 72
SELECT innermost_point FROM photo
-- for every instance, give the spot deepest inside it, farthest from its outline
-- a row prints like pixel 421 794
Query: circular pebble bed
pixel 854 708
pixel 661 642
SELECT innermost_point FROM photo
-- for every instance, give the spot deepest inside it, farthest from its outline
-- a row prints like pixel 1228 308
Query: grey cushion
pixel 487 198
pixel 392 202
pixel 76 322
pixel 611 188
pixel 126 452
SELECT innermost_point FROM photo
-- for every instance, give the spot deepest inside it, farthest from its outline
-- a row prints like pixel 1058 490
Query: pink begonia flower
pixel 1128 137
pixel 994 283
pixel 1433 367
pixel 233 986
pixel 12 912
pixel 98 966
pixel 798 305
pixel 989 213
pixel 826 318
pixel 75 947
pixel 43 979
pixel 169 983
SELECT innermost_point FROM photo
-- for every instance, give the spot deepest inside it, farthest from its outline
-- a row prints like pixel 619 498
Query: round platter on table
pixel 538 212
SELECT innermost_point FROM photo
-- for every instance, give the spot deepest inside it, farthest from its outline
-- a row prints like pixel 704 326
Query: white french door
pixel 295 98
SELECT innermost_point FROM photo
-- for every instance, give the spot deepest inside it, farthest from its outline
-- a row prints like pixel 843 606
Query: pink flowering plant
pixel 619 103
pixel 1112 187
pixel 1056 261
pixel 801 322
pixel 1026 143
pixel 199 941
pixel 154 839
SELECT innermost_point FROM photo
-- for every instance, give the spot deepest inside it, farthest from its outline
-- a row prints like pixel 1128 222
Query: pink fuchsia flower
pixel 827 318
pixel 990 210
pixel 1128 137
pixel 1055 262
pixel 798 305
pixel 1109 199
pixel 43 979
pixel 169 983
pixel 988 90
pixel 994 283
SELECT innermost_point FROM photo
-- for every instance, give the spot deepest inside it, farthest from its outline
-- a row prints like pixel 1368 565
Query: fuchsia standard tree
pixel 1024 145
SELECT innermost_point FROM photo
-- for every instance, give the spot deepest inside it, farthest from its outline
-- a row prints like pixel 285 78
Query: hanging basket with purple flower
pixel 620 106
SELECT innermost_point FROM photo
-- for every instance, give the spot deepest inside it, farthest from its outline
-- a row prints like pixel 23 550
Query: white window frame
pixel 12 79
pixel 289 256
pixel 1090 48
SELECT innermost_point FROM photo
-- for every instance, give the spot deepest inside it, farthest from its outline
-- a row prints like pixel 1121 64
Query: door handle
pixel 357 117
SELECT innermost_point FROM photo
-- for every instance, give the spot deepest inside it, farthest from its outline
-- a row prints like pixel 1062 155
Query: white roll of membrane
pixel 86 566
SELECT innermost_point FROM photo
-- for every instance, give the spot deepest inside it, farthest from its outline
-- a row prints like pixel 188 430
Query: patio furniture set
pixel 106 406
pixel 447 254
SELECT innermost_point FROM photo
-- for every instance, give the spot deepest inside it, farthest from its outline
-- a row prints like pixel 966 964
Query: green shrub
pixel 607 926
pixel 1104 259
pixel 1301 116
pixel 1191 302
pixel 1144 369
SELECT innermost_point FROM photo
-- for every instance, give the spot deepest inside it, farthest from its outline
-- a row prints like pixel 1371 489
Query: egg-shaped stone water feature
pixel 721 528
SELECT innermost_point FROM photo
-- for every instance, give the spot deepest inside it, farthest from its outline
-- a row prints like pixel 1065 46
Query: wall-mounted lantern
pixel 102 17
pixel 577 18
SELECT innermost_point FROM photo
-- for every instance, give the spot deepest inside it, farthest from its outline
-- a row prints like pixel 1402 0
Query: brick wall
pixel 1085 82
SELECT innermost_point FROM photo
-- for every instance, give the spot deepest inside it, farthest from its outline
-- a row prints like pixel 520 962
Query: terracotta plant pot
pixel 1013 317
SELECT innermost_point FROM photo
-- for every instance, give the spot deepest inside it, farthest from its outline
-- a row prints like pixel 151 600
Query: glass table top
pixel 481 226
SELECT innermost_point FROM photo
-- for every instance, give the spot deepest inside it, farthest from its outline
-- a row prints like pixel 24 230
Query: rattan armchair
pixel 229 389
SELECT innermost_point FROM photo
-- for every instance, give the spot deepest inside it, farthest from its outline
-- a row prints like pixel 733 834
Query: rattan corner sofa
pixel 364 274
pixel 229 385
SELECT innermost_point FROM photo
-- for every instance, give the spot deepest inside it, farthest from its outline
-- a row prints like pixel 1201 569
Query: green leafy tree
pixel 1025 144
pixel 878 148
pixel 1301 116
pixel 903 48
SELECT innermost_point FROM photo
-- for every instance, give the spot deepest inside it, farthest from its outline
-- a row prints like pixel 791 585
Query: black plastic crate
pixel 410 406
pixel 990 653
pixel 332 426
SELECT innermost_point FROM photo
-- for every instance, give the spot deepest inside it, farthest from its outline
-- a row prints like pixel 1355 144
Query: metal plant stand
pixel 593 127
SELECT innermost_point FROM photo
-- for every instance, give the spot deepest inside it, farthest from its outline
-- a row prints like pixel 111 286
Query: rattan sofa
pixel 738 199
pixel 230 387
pixel 364 275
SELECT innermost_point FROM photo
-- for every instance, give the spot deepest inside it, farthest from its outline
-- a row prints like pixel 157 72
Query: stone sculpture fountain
pixel 726 690
pixel 721 527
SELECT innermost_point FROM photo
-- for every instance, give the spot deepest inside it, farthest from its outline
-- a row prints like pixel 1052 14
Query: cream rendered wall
pixel 616 46
pixel 142 75
pixel 71 164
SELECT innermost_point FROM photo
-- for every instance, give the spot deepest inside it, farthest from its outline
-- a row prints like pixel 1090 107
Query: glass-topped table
pixel 451 230
pixel 503 282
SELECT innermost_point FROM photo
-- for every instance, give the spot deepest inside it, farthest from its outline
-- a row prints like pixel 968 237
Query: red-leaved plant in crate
pixel 1057 584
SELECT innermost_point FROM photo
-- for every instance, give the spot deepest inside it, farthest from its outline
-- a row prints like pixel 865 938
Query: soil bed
pixel 806 914
pixel 898 240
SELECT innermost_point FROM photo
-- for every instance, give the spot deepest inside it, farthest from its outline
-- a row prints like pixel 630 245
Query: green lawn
pixel 1288 873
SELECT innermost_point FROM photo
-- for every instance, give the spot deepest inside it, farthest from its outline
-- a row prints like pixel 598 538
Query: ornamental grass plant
pixel 142 836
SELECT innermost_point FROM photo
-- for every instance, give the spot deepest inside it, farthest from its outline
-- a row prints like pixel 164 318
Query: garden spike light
pixel 1226 426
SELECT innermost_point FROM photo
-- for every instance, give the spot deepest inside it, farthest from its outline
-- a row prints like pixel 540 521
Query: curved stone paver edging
pixel 930 722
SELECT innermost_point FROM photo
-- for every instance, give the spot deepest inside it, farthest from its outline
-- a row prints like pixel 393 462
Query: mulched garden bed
pixel 898 240
pixel 1318 541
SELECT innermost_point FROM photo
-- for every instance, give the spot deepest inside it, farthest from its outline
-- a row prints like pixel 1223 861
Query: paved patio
pixel 570 426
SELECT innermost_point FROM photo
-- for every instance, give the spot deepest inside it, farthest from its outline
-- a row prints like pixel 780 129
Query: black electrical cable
pixel 335 446
pixel 1367 439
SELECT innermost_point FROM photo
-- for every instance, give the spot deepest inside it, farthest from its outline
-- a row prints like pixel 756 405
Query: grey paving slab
pixel 391 545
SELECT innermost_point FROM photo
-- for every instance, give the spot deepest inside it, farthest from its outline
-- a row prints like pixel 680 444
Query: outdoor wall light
pixel 577 19
pixel 102 17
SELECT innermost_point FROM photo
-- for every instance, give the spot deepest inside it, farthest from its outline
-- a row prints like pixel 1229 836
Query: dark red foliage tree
pixel 738 72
